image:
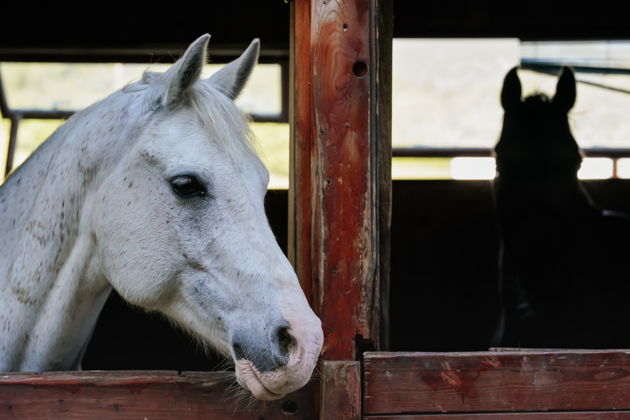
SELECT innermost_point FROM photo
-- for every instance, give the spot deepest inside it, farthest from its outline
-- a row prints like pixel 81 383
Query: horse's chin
pixel 249 378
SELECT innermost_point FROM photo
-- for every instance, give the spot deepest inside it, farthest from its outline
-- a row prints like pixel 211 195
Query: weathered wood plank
pixel 582 415
pixel 335 241
pixel 343 206
pixel 398 383
pixel 335 168
pixel 137 395
pixel 340 390
pixel 382 32
pixel 300 246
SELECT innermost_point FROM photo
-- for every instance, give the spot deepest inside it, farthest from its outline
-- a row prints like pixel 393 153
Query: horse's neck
pixel 52 289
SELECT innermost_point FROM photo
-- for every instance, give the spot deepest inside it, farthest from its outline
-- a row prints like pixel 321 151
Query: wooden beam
pixel 382 32
pixel 339 194
pixel 301 147
pixel 562 380
pixel 138 395
pixel 581 415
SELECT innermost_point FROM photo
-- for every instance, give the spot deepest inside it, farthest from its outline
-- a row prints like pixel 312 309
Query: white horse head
pixel 160 196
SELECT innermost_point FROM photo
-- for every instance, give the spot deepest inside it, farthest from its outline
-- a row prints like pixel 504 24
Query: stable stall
pixel 355 237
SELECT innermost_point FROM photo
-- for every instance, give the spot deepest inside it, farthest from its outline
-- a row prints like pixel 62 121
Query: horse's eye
pixel 187 186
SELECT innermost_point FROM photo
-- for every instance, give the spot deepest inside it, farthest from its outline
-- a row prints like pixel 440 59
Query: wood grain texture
pixel 137 395
pixel 398 383
pixel 583 415
pixel 301 145
pixel 381 38
pixel 335 242
pixel 340 390
pixel 343 218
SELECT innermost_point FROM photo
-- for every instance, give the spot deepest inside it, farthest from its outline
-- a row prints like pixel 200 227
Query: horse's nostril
pixel 285 340
pixel 266 352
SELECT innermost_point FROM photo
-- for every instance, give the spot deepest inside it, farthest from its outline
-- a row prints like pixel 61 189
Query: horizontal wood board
pixel 510 381
pixel 584 415
pixel 139 395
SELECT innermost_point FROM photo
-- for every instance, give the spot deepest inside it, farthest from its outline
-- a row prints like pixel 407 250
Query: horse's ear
pixel 565 90
pixel 511 92
pixel 186 71
pixel 232 77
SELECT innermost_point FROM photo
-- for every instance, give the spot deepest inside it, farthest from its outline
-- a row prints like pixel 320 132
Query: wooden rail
pixel 585 415
pixel 503 382
pixel 139 395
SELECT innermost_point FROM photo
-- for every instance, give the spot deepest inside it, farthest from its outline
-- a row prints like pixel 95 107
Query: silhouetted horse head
pixel 562 259
pixel 536 140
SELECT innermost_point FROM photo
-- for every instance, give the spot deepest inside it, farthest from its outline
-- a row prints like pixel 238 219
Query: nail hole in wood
pixel 359 69
pixel 289 407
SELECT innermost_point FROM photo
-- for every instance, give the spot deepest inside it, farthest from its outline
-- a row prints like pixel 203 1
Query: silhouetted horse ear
pixel 511 92
pixel 565 90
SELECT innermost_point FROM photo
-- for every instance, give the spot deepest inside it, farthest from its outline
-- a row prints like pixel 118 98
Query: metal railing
pixel 426 152
pixel 15 116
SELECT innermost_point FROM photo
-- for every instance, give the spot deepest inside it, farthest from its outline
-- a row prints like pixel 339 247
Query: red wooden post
pixel 341 152
pixel 340 182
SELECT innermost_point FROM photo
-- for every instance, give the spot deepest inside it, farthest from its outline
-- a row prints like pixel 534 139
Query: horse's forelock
pixel 537 98
pixel 212 107
pixel 218 112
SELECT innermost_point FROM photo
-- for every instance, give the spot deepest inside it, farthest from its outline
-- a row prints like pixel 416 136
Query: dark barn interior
pixel 443 296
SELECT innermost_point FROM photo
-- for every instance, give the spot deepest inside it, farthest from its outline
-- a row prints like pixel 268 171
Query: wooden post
pixel 340 390
pixel 340 159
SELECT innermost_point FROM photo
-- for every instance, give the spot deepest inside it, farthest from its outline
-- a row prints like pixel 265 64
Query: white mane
pixel 213 108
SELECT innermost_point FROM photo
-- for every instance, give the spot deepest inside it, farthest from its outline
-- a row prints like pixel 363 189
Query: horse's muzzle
pixel 285 365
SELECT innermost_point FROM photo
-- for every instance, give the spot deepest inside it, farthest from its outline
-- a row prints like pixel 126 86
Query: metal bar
pixel 554 67
pixel 147 54
pixel 15 122
pixel 36 114
pixel 416 152
pixel 284 87
pixel 607 87
pixel 440 152
pixel 261 118
pixel 4 106
pixel 60 115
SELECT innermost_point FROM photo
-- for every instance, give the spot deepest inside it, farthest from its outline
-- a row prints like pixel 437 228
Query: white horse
pixel 156 192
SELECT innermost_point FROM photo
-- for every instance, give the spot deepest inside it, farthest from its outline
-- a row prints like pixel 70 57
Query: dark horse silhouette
pixel 563 266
